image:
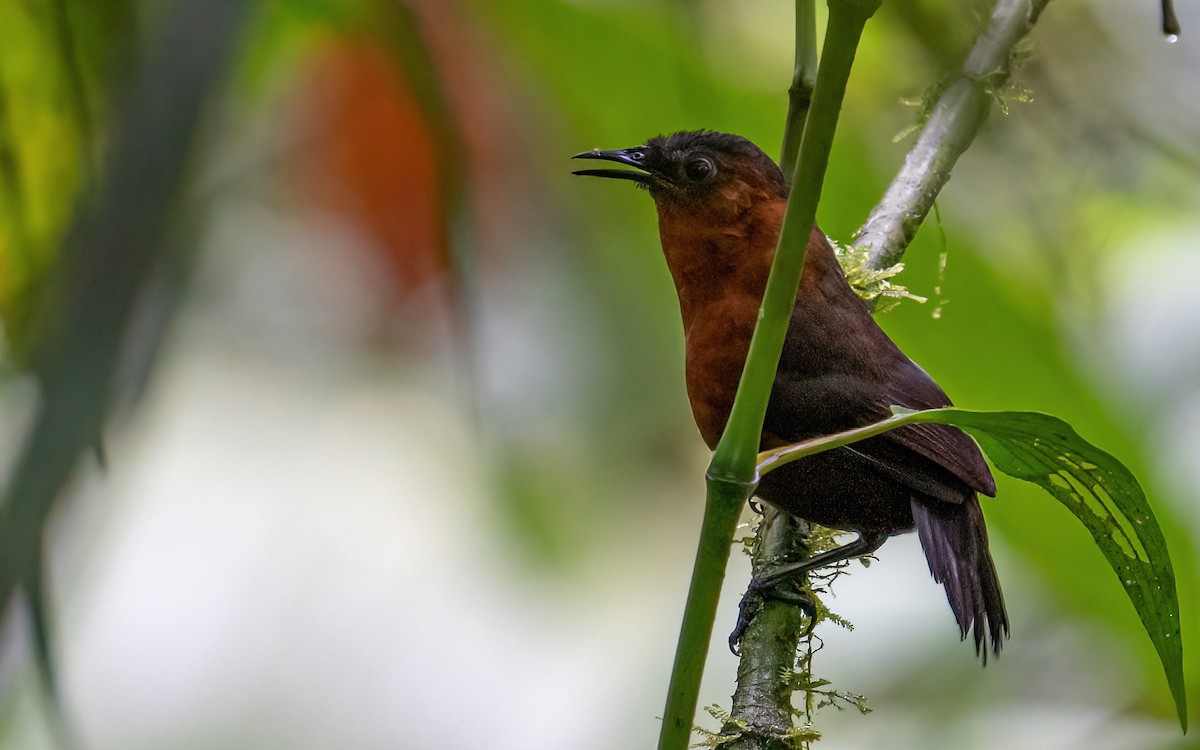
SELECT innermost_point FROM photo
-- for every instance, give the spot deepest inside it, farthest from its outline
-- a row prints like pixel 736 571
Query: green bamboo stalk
pixel 804 80
pixel 722 508
pixel 734 456
pixel 732 474
pixel 761 710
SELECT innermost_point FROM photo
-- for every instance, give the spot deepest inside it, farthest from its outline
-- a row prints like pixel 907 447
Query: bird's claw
pixel 752 601
pixel 806 603
pixel 748 607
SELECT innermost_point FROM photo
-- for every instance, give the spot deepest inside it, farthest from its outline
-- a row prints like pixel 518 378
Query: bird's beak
pixel 633 157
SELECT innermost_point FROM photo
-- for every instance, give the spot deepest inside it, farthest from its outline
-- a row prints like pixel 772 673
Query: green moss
pixel 873 286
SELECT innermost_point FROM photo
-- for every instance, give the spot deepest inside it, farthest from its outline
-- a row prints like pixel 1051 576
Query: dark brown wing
pixel 949 447
pixel 839 370
pixel 936 460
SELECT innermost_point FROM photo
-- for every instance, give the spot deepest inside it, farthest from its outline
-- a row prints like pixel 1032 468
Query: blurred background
pixel 351 419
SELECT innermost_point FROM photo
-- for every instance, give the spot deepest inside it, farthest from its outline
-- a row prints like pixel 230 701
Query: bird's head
pixel 695 171
pixel 721 203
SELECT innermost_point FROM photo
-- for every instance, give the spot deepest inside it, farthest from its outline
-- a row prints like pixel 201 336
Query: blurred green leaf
pixel 118 243
pixel 58 64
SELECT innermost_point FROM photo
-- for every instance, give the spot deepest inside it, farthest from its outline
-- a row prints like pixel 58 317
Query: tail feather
pixel 955 541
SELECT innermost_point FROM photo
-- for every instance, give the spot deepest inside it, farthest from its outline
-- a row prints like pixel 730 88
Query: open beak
pixel 633 157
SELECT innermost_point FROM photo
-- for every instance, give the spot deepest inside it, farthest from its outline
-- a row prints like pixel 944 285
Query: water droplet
pixel 1128 582
pixel 1172 38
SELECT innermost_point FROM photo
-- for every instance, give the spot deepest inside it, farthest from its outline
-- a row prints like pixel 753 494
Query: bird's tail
pixel 956 545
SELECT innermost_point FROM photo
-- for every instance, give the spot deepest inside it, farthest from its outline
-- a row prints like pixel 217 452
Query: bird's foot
pixel 757 593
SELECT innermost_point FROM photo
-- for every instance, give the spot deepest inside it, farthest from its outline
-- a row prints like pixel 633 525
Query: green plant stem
pixel 731 474
pixel 733 459
pixel 804 79
pixel 948 131
pixel 722 508
pixel 778 457
pixel 761 710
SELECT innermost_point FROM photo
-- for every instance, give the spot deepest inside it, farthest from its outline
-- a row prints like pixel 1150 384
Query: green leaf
pixel 1093 485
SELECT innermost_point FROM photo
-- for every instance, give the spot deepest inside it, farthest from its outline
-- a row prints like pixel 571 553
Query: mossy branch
pixel 948 129
pixel 761 714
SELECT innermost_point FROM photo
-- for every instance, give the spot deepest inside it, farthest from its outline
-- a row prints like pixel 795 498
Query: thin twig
pixel 1170 24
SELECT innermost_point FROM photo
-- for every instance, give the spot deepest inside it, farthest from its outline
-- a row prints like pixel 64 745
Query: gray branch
pixel 951 126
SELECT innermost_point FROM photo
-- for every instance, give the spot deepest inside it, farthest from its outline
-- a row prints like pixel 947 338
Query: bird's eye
pixel 698 170
pixel 637 155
